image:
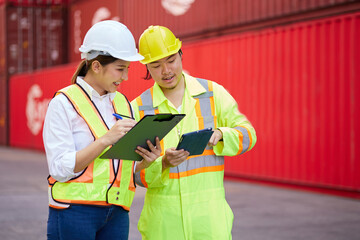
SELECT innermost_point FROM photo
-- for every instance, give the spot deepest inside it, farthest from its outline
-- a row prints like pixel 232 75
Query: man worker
pixel 185 196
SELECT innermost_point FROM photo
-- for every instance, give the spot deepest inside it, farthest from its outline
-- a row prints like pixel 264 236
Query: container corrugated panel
pixel 3 78
pixel 20 39
pixel 50 38
pixel 35 38
pixel 29 3
pixel 187 18
pixel 194 17
pixel 300 87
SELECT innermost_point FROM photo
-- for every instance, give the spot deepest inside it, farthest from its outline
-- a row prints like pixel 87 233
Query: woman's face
pixel 111 75
pixel 167 72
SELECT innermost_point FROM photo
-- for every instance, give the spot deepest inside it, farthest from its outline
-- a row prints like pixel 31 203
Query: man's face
pixel 167 72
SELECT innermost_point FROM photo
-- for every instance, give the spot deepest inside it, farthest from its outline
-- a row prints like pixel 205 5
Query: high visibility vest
pixel 98 184
pixel 207 161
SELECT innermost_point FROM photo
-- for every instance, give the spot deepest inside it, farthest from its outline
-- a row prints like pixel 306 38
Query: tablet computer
pixel 195 142
pixel 148 128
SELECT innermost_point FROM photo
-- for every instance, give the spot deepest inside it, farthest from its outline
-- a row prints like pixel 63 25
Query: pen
pixel 120 116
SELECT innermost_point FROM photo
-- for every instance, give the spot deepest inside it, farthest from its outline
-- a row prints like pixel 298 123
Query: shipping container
pixel 32 3
pixel 30 93
pixel 199 18
pixel 3 109
pixel 298 84
pixel 51 36
pixel 20 39
pixel 196 19
pixel 35 38
pixel 300 87
pixel 31 38
pixel 29 97
pixel 3 80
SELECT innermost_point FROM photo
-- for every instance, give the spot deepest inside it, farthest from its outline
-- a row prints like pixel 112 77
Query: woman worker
pixel 90 197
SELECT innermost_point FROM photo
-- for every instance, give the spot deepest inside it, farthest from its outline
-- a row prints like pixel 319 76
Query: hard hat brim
pixel 160 56
pixel 134 58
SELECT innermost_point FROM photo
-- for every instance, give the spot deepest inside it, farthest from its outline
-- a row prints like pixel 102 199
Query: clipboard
pixel 149 127
pixel 195 142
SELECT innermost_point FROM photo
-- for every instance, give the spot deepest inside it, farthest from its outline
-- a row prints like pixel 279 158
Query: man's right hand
pixel 173 157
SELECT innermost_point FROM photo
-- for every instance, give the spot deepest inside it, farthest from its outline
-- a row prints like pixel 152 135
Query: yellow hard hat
pixel 157 42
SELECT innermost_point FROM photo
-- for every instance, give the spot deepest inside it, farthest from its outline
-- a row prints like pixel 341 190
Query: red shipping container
pixel 50 36
pixel 35 38
pixel 3 79
pixel 20 39
pixel 300 86
pixel 30 94
pixel 31 3
pixel 194 18
pixel 31 38
pixel 3 109
pixel 28 100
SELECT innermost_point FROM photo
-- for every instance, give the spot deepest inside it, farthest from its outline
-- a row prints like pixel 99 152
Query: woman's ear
pixel 96 66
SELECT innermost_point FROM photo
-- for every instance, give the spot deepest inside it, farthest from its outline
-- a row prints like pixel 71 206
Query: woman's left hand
pixel 148 156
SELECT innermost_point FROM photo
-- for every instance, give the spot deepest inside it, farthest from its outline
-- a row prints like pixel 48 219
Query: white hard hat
pixel 109 38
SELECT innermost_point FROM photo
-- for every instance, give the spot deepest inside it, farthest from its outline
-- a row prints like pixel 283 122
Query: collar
pixel 192 85
pixel 91 91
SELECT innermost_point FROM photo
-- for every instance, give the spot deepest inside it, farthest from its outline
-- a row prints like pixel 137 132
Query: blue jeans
pixel 80 222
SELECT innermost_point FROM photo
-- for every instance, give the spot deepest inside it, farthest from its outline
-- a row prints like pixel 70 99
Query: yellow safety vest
pixel 98 184
pixel 204 112
pixel 190 203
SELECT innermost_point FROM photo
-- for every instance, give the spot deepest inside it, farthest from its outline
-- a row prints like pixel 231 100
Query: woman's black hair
pixel 83 67
pixel 148 75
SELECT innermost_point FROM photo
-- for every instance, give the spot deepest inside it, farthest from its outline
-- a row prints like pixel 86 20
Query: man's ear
pixel 96 66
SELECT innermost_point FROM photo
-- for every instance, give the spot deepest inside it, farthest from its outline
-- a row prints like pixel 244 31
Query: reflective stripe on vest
pixel 245 138
pixel 98 184
pixel 147 109
pixel 205 112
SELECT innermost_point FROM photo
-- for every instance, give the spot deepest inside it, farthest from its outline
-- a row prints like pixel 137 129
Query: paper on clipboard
pixel 148 128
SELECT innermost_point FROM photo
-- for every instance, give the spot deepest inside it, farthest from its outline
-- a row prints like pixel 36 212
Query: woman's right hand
pixel 85 156
pixel 120 128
